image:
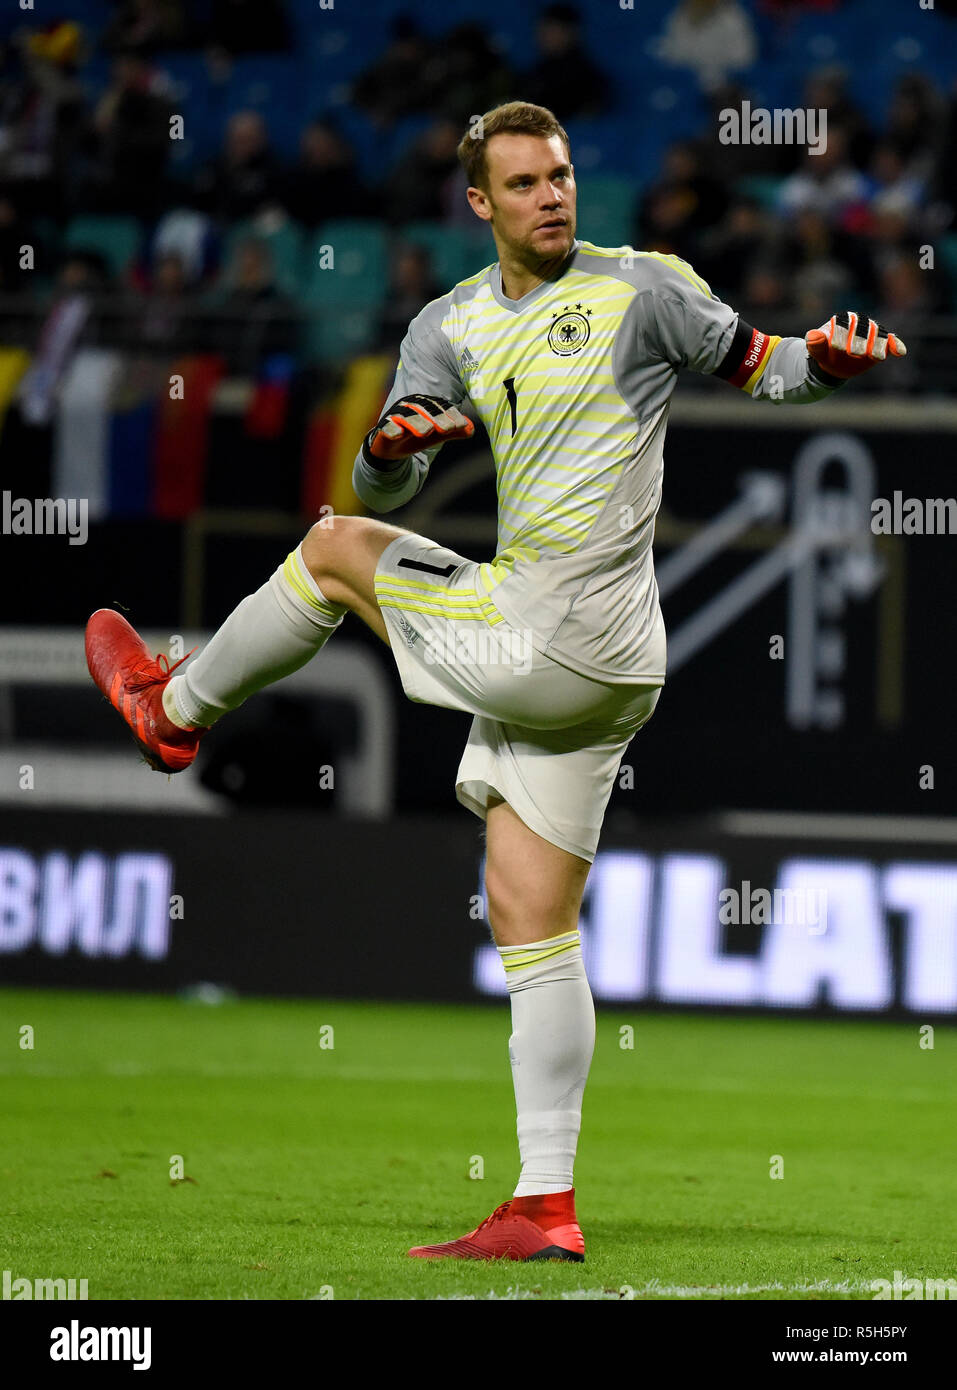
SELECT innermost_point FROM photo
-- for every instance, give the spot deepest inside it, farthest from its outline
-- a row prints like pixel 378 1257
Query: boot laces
pixel 149 672
pixel 497 1215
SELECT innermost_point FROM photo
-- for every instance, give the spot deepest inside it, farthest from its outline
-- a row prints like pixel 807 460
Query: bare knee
pixel 522 909
pixel 322 547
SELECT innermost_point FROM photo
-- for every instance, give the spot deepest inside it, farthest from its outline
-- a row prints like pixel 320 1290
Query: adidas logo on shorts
pixel 408 631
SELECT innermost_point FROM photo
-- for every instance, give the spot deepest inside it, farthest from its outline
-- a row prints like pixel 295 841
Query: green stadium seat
pixel 455 253
pixel 606 209
pixel 116 239
pixel 285 241
pixel 359 275
pixel 760 188
pixel 336 333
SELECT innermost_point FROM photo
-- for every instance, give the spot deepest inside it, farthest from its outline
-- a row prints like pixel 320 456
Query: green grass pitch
pixel 313 1169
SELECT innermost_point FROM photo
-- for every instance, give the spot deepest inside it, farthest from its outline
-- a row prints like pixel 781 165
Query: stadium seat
pixel 286 242
pixel 455 253
pixel 359 275
pixel 334 334
pixel 760 188
pixel 116 239
pixel 606 209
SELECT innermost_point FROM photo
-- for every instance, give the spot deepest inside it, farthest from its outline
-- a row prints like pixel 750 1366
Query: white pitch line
pixel 629 1292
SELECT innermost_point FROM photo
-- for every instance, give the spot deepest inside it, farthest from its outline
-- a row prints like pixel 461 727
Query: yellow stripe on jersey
pixel 559 449
pixel 495 571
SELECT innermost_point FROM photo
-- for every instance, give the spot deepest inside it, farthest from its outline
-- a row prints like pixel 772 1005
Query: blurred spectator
pixel 944 176
pixel 565 78
pixel 467 74
pixel 896 187
pixel 826 90
pixel 393 86
pixel 684 203
pixel 821 281
pixel 726 250
pixel 70 322
pixel 712 37
pixel 906 294
pixel 249 26
pixel 254 320
pixel 412 285
pixel 914 124
pixel 420 184
pixel 906 297
pixel 164 321
pixel 143 26
pixel 728 163
pixel 825 183
pixel 325 182
pixel 42 116
pixel 191 237
pixel 131 125
pixel 246 177
pixel 765 288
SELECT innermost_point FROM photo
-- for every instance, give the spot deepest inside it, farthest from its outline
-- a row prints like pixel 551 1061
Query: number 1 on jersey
pixel 512 401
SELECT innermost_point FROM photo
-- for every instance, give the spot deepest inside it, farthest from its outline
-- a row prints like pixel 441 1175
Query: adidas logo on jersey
pixel 468 362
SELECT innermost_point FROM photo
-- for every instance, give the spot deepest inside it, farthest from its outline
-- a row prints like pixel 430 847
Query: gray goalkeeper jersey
pixel 573 383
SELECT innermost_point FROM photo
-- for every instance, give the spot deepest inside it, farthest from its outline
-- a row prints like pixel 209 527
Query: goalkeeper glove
pixel 410 424
pixel 849 344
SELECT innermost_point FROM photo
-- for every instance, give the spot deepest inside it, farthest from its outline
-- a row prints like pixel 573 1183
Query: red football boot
pixel 133 681
pixel 523 1228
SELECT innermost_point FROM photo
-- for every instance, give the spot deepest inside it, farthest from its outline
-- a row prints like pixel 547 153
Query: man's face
pixel 530 200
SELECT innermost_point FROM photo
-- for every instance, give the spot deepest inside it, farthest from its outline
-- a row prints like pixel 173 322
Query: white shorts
pixel 544 738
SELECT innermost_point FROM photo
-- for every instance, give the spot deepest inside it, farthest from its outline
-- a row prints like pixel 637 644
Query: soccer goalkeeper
pixel 568 353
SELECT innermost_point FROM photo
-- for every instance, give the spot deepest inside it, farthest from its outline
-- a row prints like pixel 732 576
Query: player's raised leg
pixel 534 893
pixel 269 635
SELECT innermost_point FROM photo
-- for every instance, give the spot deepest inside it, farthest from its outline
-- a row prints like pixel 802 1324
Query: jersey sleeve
pixel 683 322
pixel 426 366
pixel 691 327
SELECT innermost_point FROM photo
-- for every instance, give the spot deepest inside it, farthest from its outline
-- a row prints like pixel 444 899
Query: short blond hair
pixel 512 118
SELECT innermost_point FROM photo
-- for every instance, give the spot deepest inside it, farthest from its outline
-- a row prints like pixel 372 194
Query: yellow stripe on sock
pixel 522 962
pixel 295 578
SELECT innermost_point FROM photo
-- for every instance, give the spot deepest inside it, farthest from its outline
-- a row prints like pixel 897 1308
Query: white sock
pixel 553 1038
pixel 271 634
